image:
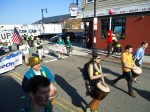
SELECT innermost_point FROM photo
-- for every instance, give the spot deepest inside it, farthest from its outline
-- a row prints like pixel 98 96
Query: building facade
pixel 130 21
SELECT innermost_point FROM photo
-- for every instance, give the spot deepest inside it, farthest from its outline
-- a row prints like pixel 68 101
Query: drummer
pixel 95 75
pixel 138 57
pixel 127 65
pixel 37 69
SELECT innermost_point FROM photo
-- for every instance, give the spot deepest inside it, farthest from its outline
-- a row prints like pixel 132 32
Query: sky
pixel 29 11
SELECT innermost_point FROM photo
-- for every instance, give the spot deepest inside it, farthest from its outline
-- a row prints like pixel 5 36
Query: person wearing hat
pixel 38 102
pixel 37 69
pixel 68 45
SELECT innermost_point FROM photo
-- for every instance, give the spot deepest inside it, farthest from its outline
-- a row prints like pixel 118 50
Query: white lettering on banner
pixel 5 36
pixel 10 61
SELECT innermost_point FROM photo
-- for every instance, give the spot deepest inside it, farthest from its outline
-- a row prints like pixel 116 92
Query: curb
pixel 106 60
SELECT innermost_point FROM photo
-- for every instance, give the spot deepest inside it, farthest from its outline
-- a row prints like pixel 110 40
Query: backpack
pixel 85 73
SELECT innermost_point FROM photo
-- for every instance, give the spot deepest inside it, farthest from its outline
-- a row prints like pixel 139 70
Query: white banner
pixel 10 61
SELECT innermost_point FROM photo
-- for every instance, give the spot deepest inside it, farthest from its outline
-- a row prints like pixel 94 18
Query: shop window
pixel 118 27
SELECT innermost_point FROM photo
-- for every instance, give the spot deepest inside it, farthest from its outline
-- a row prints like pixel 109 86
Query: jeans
pixel 128 77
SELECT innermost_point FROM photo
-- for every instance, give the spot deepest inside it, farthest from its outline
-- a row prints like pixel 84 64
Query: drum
pixel 53 95
pixel 136 72
pixel 100 93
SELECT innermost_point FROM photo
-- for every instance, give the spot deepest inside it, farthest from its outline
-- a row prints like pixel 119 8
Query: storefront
pixel 131 25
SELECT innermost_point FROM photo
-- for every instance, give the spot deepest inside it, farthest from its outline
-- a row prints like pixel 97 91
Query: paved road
pixel 71 88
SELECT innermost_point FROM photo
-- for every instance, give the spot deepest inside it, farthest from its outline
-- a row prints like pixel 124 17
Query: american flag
pixel 16 38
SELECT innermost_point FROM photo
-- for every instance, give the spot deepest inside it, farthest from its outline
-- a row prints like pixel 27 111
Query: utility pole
pixel 109 38
pixel 77 2
pixel 94 27
pixel 43 21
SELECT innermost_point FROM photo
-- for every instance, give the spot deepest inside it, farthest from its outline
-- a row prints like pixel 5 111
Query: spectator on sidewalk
pixel 138 57
pixel 116 47
pixel 38 88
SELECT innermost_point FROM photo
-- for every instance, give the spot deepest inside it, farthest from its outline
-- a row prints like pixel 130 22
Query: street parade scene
pixel 96 58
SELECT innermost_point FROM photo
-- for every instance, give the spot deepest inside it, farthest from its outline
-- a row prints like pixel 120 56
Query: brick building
pixel 130 21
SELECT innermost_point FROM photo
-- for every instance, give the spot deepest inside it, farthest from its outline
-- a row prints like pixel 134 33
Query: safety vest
pixel 118 45
pixel 32 37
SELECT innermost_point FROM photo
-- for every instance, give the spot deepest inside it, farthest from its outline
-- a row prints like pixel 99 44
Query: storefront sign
pixel 120 10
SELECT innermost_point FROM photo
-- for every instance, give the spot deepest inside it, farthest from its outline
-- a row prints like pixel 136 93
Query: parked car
pixel 70 34
pixel 55 38
pixel 63 36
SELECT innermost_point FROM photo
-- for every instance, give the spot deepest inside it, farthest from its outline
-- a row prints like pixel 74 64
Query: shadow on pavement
pixel 106 70
pixel 77 100
pixel 12 98
pixel 143 93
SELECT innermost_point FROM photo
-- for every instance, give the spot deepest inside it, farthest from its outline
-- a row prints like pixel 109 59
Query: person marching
pixel 68 46
pixel 38 88
pixel 32 40
pixel 27 39
pixel 25 48
pixel 37 69
pixel 95 76
pixel 60 47
pixel 39 45
pixel 127 66
pixel 138 57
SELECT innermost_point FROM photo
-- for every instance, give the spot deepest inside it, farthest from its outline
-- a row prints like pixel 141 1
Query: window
pixel 89 1
pixel 118 27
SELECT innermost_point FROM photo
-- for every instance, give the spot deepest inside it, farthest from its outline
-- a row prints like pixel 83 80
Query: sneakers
pixel 89 110
pixel 132 94
pixel 136 81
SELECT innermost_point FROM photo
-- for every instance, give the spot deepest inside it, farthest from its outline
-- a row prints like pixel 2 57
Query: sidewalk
pixel 80 51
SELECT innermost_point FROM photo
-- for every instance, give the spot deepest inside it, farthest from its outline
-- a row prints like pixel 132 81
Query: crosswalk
pixel 52 58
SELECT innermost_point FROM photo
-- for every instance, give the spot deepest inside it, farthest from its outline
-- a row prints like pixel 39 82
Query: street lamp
pixel 43 20
pixel 94 27
pixel 109 38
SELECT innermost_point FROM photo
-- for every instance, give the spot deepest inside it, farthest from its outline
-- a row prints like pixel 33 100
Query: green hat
pixel 33 61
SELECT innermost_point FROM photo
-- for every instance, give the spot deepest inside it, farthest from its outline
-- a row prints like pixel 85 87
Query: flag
pixel 16 38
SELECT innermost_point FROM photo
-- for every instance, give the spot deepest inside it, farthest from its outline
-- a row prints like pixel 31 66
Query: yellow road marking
pixel 70 104
pixel 20 78
pixel 20 75
pixel 63 106
pixel 16 77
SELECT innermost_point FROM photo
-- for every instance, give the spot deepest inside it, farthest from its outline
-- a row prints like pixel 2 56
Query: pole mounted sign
pixel 95 23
